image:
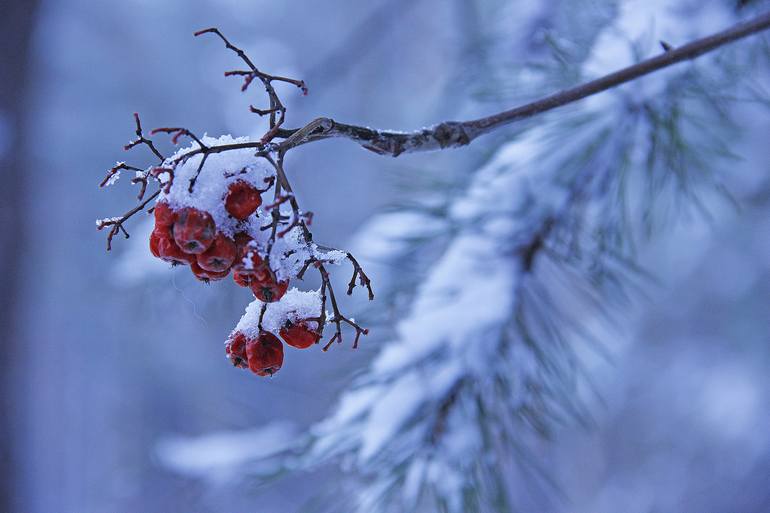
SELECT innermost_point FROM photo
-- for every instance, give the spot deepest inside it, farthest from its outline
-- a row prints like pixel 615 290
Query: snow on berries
pixel 211 215
pixel 262 321
pixel 295 306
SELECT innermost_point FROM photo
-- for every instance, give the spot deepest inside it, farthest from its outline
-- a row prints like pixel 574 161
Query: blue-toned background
pixel 106 355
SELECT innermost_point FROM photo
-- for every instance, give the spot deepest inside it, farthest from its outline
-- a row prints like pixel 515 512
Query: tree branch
pixel 452 134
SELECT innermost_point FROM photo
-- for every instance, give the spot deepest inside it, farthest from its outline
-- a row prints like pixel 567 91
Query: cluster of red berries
pixel 219 228
pixel 263 354
pixel 189 236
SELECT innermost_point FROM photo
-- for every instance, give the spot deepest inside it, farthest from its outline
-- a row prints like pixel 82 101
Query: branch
pixel 452 134
pixel 299 219
pixel 277 110
pixel 116 223
pixel 141 139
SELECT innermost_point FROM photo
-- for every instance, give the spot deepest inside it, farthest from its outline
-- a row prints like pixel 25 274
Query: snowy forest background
pixel 648 391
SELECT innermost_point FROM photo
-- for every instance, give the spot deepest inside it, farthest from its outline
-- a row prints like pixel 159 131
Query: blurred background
pixel 105 355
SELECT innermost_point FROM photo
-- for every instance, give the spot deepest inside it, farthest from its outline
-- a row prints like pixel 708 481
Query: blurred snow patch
pixel 731 401
pixel 221 456
pixel 386 236
pixel 391 410
pixel 136 264
pixel 212 182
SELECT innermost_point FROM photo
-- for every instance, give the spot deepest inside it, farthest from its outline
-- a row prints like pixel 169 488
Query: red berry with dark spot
pixel 265 354
pixel 207 276
pixel 163 245
pixel 243 279
pixel 250 268
pixel 164 216
pixel 235 349
pixel 194 230
pixel 242 199
pixel 220 255
pixel 269 291
pixel 299 335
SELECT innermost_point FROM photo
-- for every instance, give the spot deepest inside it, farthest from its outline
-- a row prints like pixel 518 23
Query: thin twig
pixel 337 318
pixel 327 289
pixel 363 279
pixel 117 223
pixel 141 139
pixel 178 132
pixel 115 170
pixel 277 110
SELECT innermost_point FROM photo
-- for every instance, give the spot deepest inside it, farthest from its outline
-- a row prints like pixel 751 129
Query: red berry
pixel 164 216
pixel 243 279
pixel 249 259
pixel 265 354
pixel 250 268
pixel 235 349
pixel 269 291
pixel 250 277
pixel 220 255
pixel 242 199
pixel 194 230
pixel 162 245
pixel 207 276
pixel 299 335
pixel 242 240
pixel 155 237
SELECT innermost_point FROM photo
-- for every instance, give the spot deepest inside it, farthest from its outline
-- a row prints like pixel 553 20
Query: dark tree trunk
pixel 16 19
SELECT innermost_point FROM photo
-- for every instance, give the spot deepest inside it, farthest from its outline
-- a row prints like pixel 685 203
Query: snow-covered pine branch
pixel 540 255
